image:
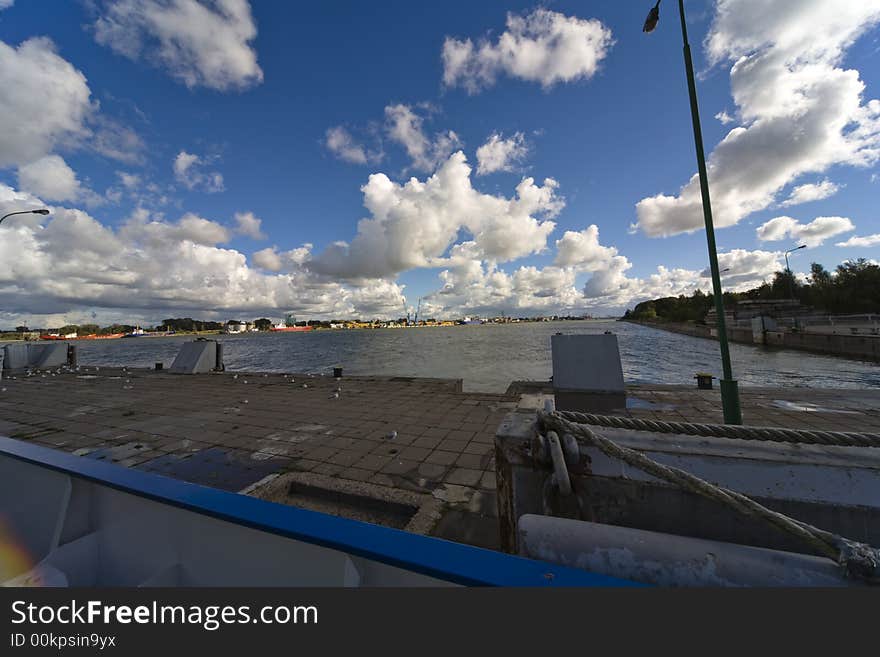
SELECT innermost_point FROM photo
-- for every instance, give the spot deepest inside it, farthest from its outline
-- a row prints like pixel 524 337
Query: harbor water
pixel 488 357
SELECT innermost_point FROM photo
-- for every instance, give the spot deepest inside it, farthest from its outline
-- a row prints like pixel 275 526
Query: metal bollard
pixel 71 355
pixel 219 366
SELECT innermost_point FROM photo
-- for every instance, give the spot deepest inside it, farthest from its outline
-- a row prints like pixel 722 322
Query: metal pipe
pixel 668 559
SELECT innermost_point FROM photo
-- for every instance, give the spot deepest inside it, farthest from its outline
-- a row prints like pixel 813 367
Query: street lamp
pixel 40 211
pixel 788 269
pixel 729 388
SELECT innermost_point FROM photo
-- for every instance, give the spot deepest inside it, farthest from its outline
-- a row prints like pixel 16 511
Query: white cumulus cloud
pixel 500 154
pixel 248 224
pixel 51 178
pixel 412 225
pixel 801 111
pixel 190 171
pixel 867 240
pixel 811 234
pixel 811 192
pixel 544 46
pixel 200 43
pixel 582 250
pixel 405 127
pixel 271 260
pixel 339 141
pixel 46 102
pixel 68 263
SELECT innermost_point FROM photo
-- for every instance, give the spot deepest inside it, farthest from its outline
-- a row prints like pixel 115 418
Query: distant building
pixel 234 326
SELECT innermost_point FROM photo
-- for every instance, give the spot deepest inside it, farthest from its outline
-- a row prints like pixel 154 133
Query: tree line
pixel 853 288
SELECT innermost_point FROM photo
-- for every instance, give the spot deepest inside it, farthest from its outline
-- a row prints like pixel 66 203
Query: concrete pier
pixel 416 439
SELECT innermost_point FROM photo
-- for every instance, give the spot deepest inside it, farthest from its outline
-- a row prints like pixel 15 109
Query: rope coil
pixel 858 560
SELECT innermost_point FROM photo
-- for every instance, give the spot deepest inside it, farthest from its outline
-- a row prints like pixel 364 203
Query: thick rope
pixel 858 559
pixel 808 436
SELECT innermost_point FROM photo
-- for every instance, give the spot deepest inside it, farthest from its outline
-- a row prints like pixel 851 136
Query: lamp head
pixel 652 19
pixel 42 211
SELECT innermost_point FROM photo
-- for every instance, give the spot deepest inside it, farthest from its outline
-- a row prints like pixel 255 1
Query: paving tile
pixel 452 445
pixel 473 461
pixel 304 465
pixel 464 476
pixel 329 469
pixel 400 466
pixel 345 458
pixel 427 441
pixel 415 453
pixel 479 448
pixel 441 457
pixel 357 474
pixel 373 462
pixel 432 471
pixel 321 453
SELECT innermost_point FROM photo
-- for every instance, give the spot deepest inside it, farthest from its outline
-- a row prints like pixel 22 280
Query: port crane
pixel 410 318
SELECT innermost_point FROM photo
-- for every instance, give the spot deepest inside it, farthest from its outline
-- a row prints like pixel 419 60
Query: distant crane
pixel 410 318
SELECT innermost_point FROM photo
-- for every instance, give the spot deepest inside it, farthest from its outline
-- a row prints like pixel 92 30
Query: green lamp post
pixel 729 387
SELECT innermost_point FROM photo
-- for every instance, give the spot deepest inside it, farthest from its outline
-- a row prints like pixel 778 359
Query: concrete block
pixel 198 357
pixel 15 356
pixel 587 362
pixel 587 374
pixel 45 356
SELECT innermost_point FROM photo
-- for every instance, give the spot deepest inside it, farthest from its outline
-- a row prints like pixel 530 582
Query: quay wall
pixel 861 347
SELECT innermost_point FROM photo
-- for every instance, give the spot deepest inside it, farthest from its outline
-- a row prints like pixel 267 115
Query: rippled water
pixel 488 357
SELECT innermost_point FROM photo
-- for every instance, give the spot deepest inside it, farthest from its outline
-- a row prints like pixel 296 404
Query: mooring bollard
pixel 159 366
pixel 337 372
pixel 71 355
pixel 218 363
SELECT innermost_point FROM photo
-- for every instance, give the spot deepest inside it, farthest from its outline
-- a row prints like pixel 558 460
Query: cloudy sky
pixel 220 158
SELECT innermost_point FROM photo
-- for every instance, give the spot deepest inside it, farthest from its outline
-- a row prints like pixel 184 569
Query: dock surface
pixel 233 430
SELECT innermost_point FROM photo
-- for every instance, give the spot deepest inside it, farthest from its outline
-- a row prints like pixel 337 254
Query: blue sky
pixel 253 107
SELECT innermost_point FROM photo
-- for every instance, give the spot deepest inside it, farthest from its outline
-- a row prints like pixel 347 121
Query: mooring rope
pixel 857 559
pixel 807 436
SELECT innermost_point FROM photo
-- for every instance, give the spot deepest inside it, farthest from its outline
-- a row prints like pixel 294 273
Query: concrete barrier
pixel 35 356
pixel 198 357
pixel 587 374
pixel 44 356
pixel 15 357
